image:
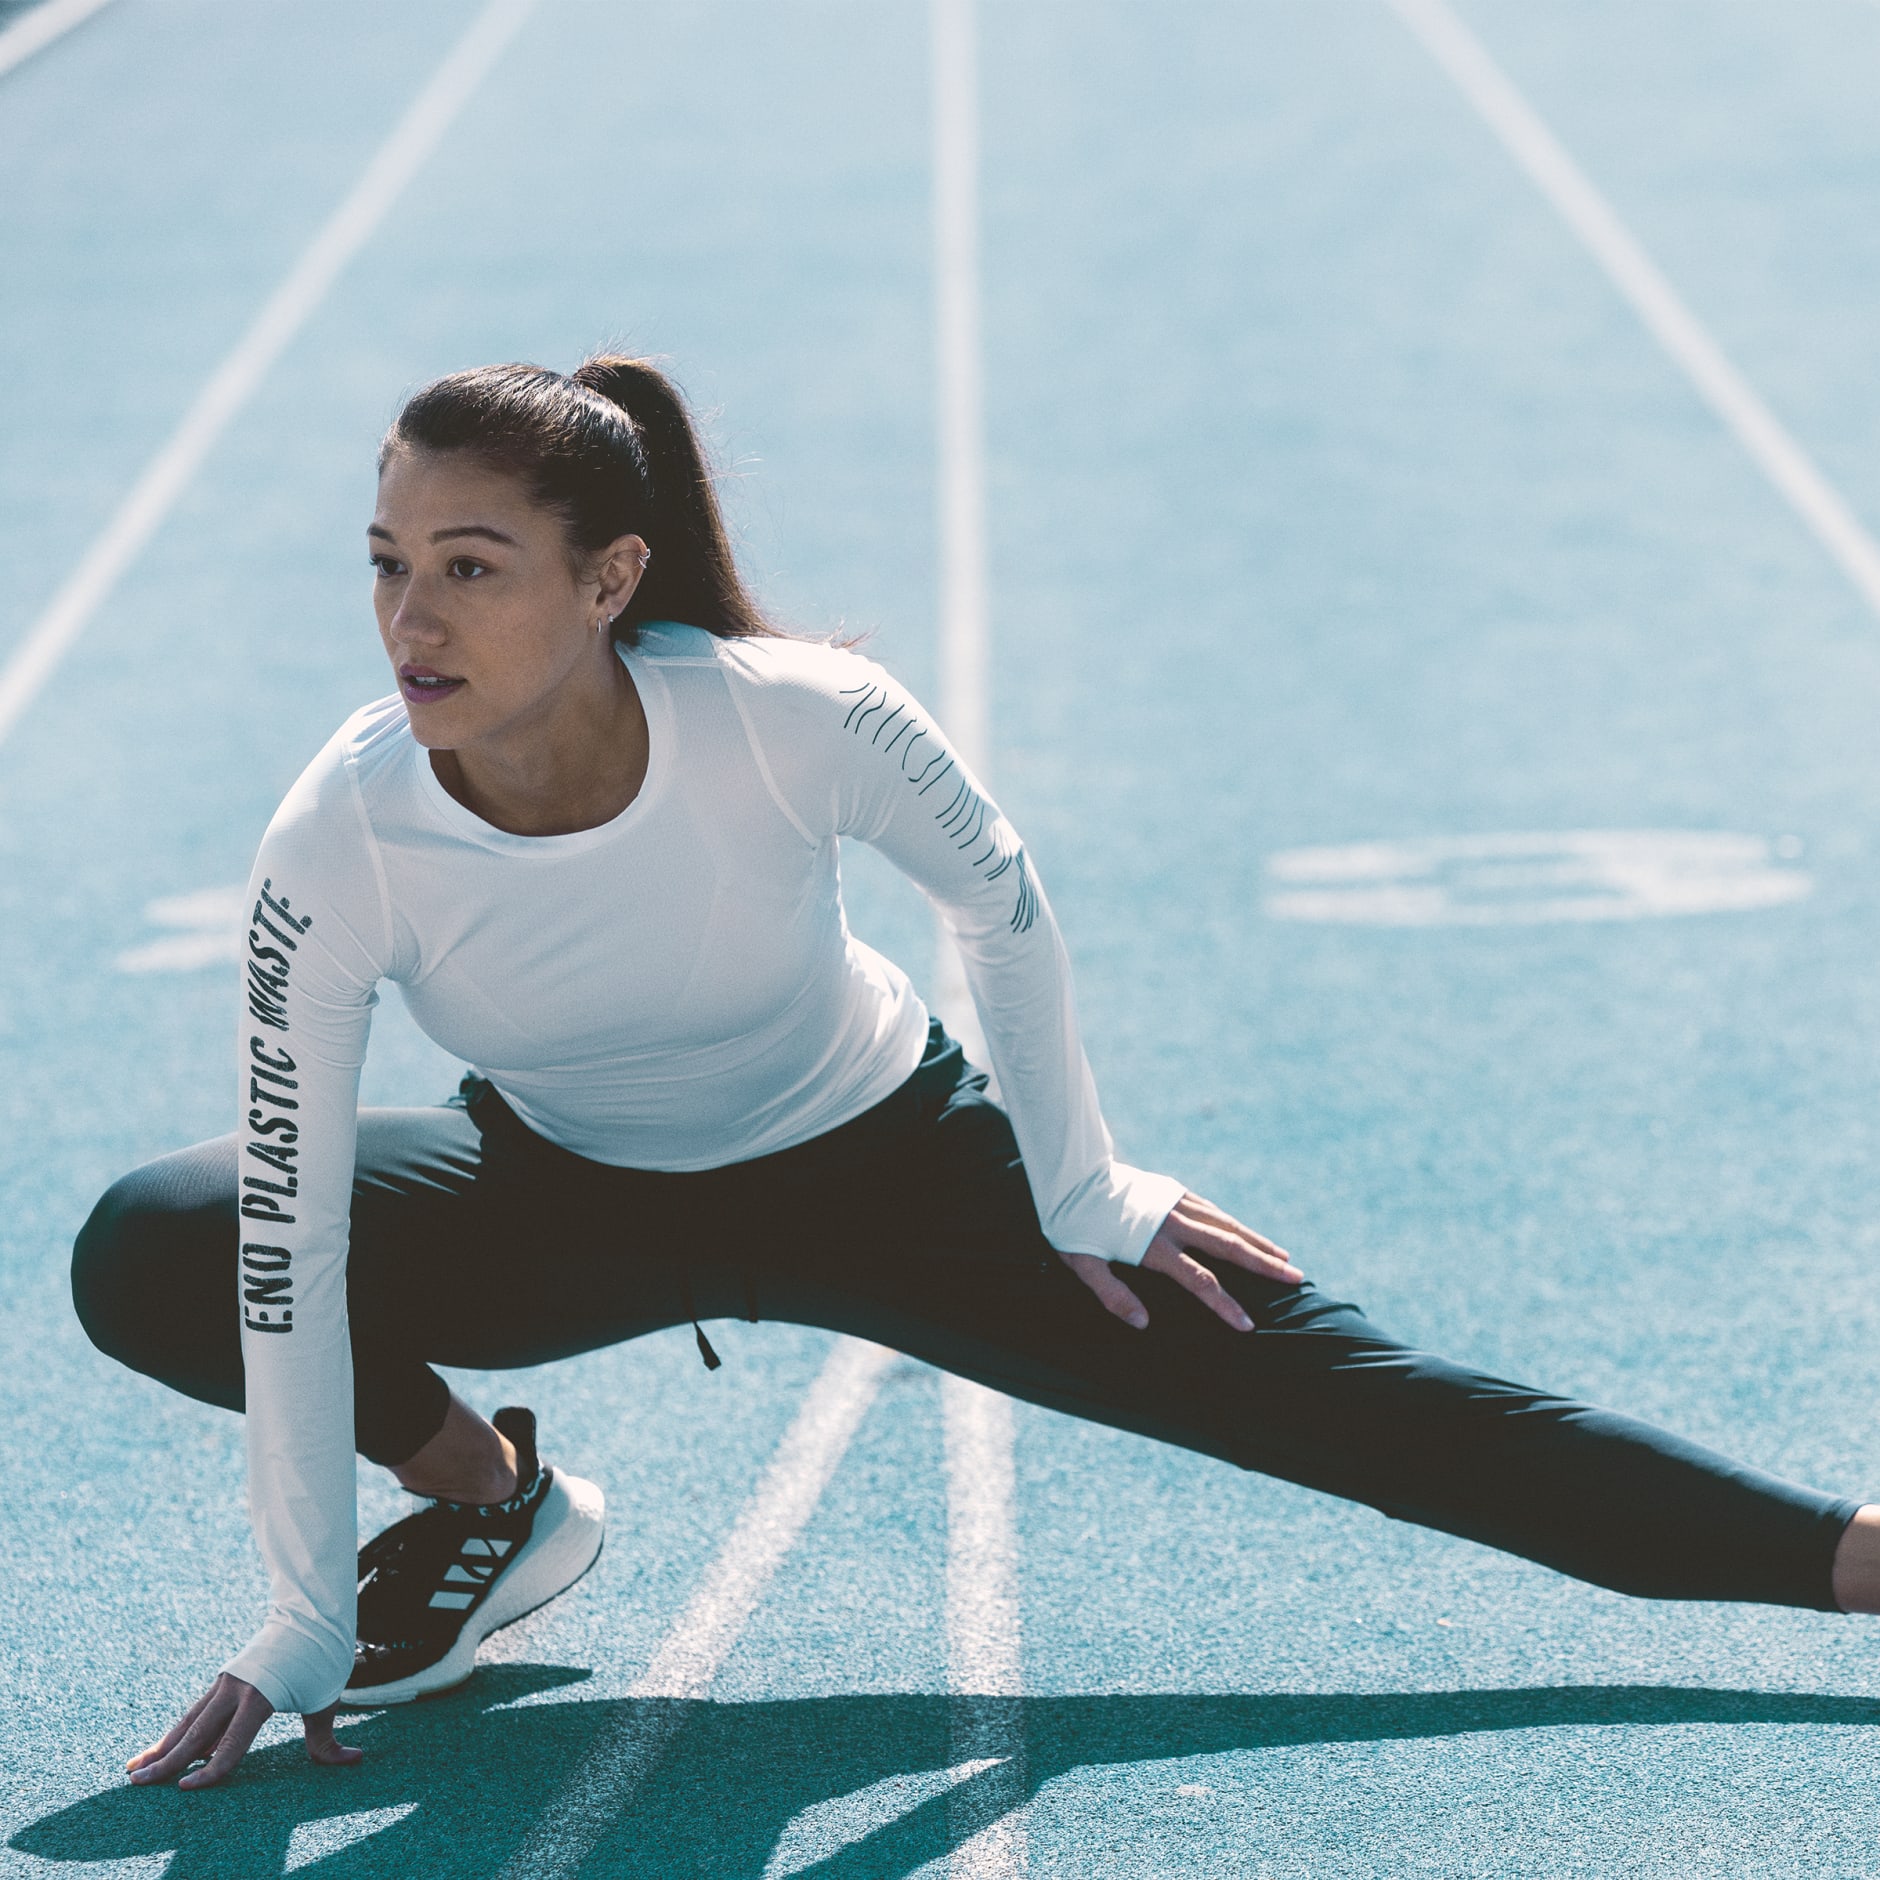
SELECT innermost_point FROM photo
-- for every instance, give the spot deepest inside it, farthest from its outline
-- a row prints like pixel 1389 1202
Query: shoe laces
pixel 438 1559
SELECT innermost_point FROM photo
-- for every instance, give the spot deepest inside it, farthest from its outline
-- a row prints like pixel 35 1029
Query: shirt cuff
pixel 290 1670
pixel 1115 1214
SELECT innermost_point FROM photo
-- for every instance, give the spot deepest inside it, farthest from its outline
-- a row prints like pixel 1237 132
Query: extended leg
pixel 1319 1396
pixel 1316 1395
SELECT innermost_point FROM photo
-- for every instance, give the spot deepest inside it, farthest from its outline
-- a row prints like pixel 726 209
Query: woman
pixel 594 838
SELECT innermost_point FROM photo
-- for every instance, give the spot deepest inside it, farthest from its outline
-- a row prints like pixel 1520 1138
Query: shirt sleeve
pixel 316 943
pixel 864 759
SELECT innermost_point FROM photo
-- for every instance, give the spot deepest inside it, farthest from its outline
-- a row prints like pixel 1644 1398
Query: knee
pixel 104 1261
pixel 134 1253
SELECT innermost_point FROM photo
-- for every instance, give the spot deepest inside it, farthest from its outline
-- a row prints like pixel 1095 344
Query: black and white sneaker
pixel 435 1585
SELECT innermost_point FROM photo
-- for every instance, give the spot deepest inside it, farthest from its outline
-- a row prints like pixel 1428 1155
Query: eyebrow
pixel 447 535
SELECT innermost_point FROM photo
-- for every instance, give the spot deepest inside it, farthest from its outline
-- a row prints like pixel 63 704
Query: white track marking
pixel 210 923
pixel 181 953
pixel 823 1831
pixel 961 398
pixel 982 1547
pixel 1530 880
pixel 1587 213
pixel 959 423
pixel 690 1655
pixel 315 1840
pixel 982 1567
pixel 41 27
pixel 983 1664
pixel 234 381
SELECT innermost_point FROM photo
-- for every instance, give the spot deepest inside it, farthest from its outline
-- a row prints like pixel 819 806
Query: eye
pixel 386 566
pixel 466 568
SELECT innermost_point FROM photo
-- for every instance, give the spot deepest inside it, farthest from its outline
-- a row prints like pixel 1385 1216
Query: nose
pixel 416 620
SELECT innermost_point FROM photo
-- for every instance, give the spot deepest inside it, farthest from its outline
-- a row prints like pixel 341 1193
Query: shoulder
pixel 781 680
pixel 356 755
pixel 325 821
pixel 804 678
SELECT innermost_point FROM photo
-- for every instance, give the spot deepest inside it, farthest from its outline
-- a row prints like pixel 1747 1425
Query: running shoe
pixel 435 1585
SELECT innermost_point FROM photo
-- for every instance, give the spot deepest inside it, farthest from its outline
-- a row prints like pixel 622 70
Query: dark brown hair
pixel 609 448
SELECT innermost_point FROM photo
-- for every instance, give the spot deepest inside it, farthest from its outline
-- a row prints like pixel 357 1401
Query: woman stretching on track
pixel 594 837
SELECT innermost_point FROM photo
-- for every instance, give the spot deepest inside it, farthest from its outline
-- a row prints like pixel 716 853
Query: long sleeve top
pixel 674 989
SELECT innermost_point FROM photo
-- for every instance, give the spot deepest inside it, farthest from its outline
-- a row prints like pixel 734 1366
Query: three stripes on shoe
pixel 477 1563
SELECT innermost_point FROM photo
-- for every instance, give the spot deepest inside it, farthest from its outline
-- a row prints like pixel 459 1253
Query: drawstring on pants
pixel 705 1351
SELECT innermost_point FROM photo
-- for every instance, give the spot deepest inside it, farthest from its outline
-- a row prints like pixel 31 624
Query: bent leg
pixel 449 1234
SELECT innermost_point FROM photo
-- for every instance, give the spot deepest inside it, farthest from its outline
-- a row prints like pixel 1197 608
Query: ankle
pixel 467 1460
pixel 494 1482
pixel 1857 1563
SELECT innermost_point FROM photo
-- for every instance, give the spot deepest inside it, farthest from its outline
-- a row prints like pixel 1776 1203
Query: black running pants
pixel 476 1243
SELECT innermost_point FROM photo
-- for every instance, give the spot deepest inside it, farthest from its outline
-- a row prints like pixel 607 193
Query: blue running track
pixel 1338 500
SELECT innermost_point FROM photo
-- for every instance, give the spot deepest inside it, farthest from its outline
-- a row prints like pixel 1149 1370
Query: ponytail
pixel 610 449
pixel 693 575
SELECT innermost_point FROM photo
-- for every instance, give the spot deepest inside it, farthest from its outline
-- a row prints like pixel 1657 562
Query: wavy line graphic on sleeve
pixel 988 841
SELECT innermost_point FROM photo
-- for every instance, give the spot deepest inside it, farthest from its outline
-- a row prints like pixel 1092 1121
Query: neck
pixel 574 763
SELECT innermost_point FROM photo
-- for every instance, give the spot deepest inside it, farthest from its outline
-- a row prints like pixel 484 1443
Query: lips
pixel 421 685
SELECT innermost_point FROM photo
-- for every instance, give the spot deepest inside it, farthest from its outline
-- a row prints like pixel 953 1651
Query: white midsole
pixel 563 1544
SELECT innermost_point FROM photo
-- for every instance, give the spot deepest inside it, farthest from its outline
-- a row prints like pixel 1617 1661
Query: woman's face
pixel 483 617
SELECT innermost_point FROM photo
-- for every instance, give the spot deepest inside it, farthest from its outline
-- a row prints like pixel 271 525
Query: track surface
pixel 1335 497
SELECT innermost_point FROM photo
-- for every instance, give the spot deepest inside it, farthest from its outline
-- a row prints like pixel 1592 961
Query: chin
pixel 434 729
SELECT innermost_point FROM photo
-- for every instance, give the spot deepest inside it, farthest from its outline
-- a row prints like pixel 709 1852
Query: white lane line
pixel 982 1543
pixel 960 443
pixel 1555 174
pixel 617 1761
pixel 39 28
pixel 987 1817
pixel 961 401
pixel 234 381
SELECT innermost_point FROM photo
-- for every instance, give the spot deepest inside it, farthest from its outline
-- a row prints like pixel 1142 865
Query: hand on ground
pixel 219 1726
pixel 1194 1227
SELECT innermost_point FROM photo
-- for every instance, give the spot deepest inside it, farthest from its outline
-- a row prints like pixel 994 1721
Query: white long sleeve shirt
pixel 676 989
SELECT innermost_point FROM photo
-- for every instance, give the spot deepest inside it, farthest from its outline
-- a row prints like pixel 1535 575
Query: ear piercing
pixel 607 620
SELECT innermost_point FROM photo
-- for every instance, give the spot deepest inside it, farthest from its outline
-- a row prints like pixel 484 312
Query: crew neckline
pixel 655 701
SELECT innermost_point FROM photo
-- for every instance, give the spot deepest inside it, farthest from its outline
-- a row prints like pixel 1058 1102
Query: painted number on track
pixel 1526 880
pixel 201 929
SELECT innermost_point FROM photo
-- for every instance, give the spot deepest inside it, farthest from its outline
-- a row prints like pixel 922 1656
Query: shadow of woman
pixel 839 1788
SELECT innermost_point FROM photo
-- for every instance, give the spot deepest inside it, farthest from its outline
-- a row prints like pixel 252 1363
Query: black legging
pixel 476 1243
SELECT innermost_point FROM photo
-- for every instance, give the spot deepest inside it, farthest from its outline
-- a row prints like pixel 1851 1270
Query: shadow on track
pixel 736 1775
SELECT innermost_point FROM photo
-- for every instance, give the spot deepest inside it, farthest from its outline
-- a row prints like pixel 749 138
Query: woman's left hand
pixel 1193 1227
pixel 216 1731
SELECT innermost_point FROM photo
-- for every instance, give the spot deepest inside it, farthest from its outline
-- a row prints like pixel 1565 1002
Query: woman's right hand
pixel 219 1726
pixel 1193 1227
